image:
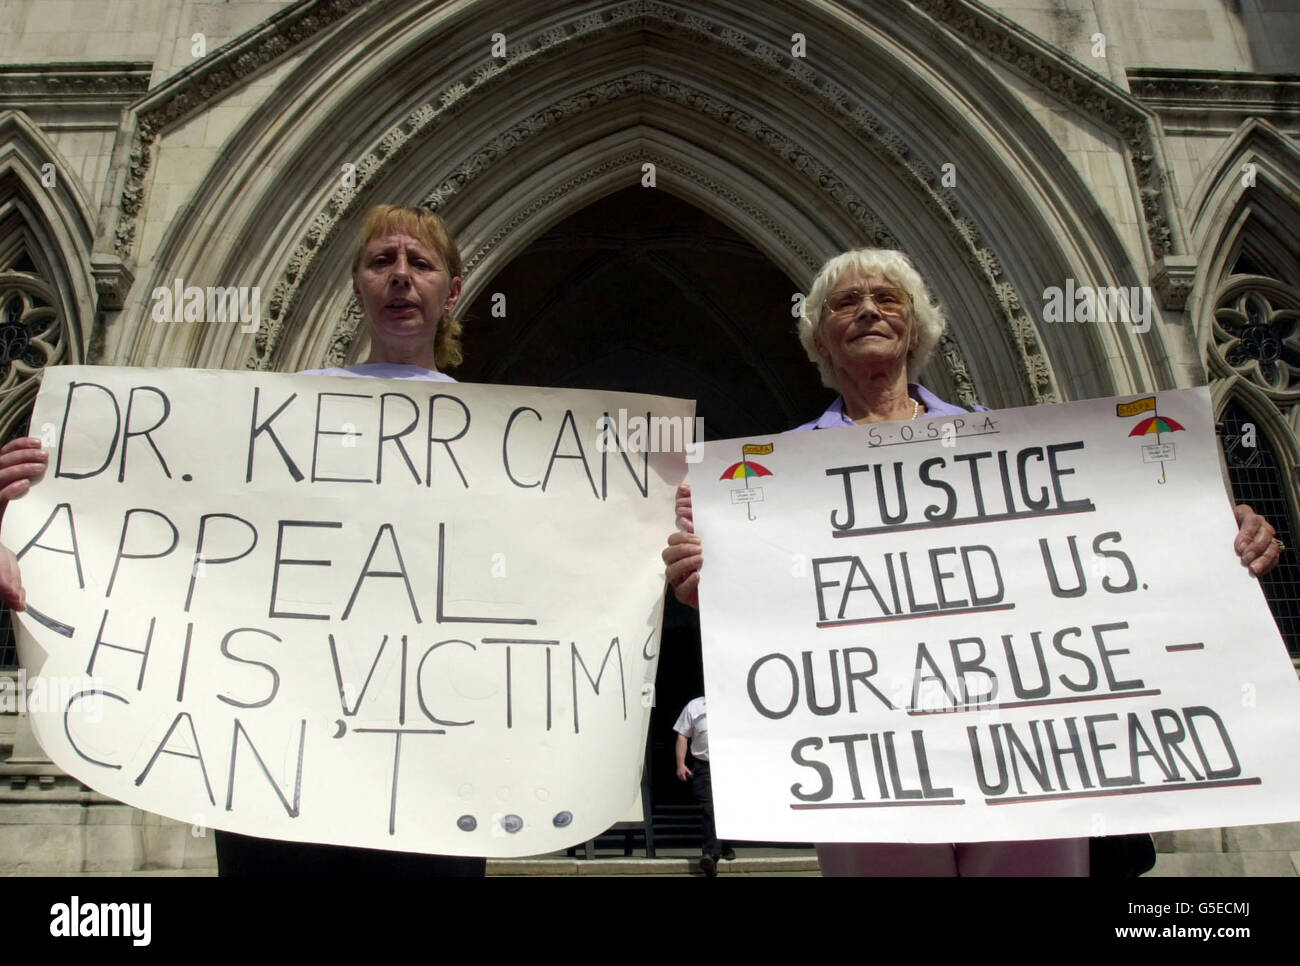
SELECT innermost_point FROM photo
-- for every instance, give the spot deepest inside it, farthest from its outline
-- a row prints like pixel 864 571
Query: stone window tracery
pixel 29 329
pixel 31 337
pixel 1255 345
pixel 1258 337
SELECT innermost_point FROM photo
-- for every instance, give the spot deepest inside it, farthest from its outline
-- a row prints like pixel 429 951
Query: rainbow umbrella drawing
pixel 744 470
pixel 1152 425
pixel 747 470
pixel 1155 424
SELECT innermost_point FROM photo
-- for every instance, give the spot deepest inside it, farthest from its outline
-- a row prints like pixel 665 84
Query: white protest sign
pixel 399 614
pixel 1009 625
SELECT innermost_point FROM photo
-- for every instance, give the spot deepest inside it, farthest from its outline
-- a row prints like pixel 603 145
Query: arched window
pixel 1258 479
pixel 1255 353
pixel 47 291
pixel 31 337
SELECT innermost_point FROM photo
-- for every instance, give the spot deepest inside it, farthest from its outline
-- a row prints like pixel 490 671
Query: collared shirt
pixel 834 417
pixel 693 722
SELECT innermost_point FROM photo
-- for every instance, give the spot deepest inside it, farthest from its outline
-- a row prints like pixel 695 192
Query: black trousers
pixel 702 786
pixel 245 855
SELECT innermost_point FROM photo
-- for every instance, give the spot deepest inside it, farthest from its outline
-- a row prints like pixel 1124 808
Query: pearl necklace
pixel 916 408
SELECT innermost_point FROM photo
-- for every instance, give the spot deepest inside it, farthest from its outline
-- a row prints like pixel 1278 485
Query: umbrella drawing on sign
pixel 1153 425
pixel 746 470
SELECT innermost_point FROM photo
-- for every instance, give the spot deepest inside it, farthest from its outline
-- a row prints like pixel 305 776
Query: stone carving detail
pixel 1173 277
pixel 74 81
pixel 1092 94
pixel 1266 94
pixel 1034 364
pixel 220 71
pixel 955 364
pixel 342 337
pixel 1256 334
pixel 1175 291
pixel 1008 298
pixel 112 280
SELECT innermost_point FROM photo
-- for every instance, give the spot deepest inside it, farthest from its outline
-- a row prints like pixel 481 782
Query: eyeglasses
pixel 889 301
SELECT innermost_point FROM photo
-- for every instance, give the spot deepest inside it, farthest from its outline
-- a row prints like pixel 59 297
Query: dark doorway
pixel 641 292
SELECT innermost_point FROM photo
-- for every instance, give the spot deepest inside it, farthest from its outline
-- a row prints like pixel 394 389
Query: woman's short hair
pixel 895 267
pixel 427 227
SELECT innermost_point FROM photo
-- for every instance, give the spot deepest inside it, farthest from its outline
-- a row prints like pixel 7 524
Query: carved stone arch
pixel 501 228
pixel 47 292
pixel 1231 217
pixel 755 95
pixel 318 227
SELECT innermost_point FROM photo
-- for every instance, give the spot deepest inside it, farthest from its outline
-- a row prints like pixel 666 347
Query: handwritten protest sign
pixel 398 614
pixel 1007 625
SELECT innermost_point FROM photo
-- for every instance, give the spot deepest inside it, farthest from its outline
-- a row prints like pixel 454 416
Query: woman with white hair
pixel 868 324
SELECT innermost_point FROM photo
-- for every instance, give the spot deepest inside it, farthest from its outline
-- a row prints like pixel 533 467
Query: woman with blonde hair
pixel 406 276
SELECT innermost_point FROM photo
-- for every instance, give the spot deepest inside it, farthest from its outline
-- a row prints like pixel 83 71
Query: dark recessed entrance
pixel 641 292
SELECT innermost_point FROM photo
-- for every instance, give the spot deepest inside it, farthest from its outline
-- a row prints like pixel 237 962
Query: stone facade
pixel 1008 145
